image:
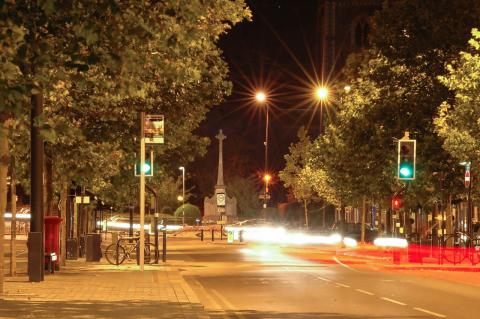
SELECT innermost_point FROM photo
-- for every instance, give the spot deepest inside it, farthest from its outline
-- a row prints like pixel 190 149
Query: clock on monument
pixel 220 199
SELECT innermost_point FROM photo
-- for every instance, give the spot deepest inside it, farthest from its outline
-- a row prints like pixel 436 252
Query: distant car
pixel 353 230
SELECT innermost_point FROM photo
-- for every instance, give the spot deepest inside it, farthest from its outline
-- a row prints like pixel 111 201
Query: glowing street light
pixel 321 93
pixel 260 97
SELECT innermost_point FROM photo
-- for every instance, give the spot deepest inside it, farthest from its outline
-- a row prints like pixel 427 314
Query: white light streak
pixel 391 242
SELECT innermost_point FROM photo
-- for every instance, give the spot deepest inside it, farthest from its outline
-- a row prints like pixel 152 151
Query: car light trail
pixel 350 242
pixel 18 215
pixel 391 242
pixel 279 235
pixel 125 225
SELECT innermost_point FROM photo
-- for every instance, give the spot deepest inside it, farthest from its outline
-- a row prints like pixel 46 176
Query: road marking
pixel 324 279
pixel 228 304
pixel 365 292
pixel 394 301
pixel 342 264
pixel 214 305
pixel 439 315
pixel 342 285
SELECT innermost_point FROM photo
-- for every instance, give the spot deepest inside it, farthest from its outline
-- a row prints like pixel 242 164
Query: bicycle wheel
pixel 149 257
pixel 475 251
pixel 455 249
pixel 111 254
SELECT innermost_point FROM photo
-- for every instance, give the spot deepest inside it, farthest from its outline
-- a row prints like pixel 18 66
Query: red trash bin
pixel 52 237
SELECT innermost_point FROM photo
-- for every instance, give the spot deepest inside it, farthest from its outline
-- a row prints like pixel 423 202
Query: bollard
pixel 396 256
pixel 164 252
pixel 240 236
pixel 221 232
pixel 201 234
pixel 155 224
pixel 213 234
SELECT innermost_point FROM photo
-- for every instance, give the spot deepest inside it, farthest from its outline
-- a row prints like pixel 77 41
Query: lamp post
pixel 261 98
pixel 183 193
pixel 468 185
pixel 321 93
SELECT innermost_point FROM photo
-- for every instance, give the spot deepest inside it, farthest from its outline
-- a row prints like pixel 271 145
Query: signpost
pixel 151 132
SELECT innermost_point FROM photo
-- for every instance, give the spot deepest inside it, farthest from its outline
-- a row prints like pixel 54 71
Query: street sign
pixel 262 196
pixel 467 175
pixel 154 130
pixel 467 179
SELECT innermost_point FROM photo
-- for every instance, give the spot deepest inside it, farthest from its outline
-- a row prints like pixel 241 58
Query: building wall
pixel 345 29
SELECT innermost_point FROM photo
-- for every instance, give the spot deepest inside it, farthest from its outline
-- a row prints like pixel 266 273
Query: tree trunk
pixel 63 225
pixel 306 212
pixel 364 200
pixel 13 224
pixel 48 185
pixel 3 194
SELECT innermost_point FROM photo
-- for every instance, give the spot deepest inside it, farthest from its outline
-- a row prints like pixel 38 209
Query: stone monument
pixel 220 206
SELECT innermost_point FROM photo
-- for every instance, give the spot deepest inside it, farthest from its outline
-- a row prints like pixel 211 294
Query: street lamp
pixel 321 93
pixel 261 98
pixel 468 185
pixel 183 193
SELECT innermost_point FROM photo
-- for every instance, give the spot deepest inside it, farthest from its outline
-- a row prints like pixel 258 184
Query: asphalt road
pixel 263 282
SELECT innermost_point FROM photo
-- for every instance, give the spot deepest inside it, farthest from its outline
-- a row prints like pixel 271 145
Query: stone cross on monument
pixel 220 206
pixel 220 136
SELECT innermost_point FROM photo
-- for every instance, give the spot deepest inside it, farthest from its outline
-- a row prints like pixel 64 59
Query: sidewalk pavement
pixel 100 290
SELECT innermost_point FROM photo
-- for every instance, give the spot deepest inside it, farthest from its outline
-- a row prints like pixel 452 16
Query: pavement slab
pixel 99 290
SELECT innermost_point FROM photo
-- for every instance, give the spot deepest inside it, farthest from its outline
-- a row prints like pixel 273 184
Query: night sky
pixel 278 51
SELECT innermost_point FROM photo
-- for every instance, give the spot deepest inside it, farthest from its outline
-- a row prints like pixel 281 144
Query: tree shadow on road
pixel 253 314
pixel 148 310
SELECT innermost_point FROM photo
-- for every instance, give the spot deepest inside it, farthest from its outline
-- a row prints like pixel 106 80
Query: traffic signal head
pixel 147 166
pixel 396 202
pixel 406 159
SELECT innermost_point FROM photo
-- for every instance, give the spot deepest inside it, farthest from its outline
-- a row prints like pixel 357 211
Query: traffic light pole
pixel 142 191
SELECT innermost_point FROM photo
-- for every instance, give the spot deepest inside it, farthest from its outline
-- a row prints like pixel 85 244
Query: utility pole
pixel 155 221
pixel 142 190
pixel 35 237
pixel 13 224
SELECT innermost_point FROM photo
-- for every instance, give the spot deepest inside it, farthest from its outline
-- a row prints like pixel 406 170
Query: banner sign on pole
pixel 154 129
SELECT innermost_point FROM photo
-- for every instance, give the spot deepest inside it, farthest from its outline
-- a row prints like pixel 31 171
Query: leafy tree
pixel 246 190
pixel 457 121
pixel 192 212
pixel 395 89
pixel 93 63
pixel 296 174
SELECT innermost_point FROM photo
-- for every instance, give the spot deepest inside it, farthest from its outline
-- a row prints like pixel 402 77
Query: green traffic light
pixel 146 168
pixel 406 170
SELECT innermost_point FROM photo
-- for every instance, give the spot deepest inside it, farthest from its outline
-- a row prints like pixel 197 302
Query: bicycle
pixel 117 253
pixel 458 246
